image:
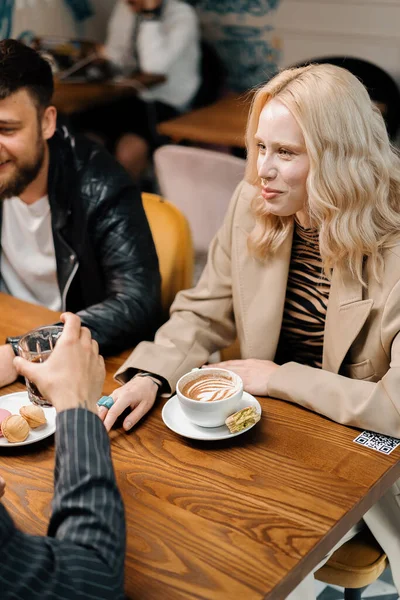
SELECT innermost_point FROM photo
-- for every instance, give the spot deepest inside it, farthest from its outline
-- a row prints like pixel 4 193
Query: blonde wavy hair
pixel 353 183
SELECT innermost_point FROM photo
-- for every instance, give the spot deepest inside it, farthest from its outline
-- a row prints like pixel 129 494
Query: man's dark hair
pixel 21 68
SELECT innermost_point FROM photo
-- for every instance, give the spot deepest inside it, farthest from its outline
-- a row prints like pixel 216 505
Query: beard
pixel 24 175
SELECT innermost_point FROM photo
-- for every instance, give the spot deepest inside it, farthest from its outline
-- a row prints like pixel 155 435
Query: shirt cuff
pixel 74 424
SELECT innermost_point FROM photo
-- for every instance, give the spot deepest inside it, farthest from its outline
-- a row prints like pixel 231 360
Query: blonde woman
pixel 305 271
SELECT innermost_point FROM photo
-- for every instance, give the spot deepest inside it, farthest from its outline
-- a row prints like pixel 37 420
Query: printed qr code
pixel 378 442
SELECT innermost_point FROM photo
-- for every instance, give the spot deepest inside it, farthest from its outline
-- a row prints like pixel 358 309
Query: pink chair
pixel 200 183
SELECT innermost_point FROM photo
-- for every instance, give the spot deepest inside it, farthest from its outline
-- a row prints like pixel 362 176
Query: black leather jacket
pixel 107 266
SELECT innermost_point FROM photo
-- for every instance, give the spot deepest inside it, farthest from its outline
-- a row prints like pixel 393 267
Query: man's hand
pixel 138 394
pixel 8 374
pixel 151 4
pixel 101 51
pixel 73 375
pixel 2 487
pixel 255 373
pixel 143 5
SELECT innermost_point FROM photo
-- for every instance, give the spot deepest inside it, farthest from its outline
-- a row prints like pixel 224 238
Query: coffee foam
pixel 209 388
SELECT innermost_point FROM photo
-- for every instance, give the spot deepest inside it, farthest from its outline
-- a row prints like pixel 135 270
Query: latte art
pixel 209 388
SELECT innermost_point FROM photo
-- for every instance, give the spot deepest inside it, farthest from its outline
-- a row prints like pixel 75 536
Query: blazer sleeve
pixel 83 554
pixel 363 404
pixel 201 321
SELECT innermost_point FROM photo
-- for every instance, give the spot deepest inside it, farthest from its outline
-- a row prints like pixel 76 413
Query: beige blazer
pixel 359 383
pixel 237 294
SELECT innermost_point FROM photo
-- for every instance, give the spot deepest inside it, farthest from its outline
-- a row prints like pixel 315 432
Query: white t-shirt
pixel 28 260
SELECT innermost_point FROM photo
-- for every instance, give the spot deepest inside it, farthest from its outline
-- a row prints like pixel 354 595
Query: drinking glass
pixel 36 346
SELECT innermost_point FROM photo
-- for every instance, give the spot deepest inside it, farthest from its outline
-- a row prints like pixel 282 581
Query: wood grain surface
pixel 71 97
pixel 242 518
pixel 223 122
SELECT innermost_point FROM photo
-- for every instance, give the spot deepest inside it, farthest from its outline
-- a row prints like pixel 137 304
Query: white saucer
pixel 174 418
pixel 13 403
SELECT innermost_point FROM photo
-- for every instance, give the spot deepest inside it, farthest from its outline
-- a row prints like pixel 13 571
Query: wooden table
pixel 222 123
pixel 242 518
pixel 71 97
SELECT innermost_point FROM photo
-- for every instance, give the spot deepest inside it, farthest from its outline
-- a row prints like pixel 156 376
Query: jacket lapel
pixel 262 297
pixel 346 315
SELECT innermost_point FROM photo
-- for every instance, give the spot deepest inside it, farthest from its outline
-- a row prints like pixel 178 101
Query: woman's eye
pixel 6 131
pixel 260 146
pixel 285 152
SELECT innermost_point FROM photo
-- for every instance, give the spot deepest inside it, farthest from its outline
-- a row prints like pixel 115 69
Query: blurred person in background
pixel 83 554
pixel 160 37
pixel 305 271
pixel 74 235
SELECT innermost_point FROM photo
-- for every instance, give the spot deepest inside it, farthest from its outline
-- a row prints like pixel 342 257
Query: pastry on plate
pixel 15 428
pixel 242 419
pixel 33 415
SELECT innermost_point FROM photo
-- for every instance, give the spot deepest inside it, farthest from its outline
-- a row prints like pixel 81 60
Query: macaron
pixel 4 413
pixel 33 415
pixel 15 428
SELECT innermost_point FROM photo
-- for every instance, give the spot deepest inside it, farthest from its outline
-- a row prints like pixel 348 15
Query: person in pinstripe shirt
pixel 82 555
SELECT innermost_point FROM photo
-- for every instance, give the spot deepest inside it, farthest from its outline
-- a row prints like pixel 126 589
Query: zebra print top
pixel 307 294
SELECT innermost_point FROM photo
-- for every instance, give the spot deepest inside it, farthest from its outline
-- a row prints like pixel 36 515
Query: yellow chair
pixel 173 242
pixel 355 565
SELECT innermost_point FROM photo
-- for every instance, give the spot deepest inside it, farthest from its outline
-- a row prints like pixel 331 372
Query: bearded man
pixel 74 235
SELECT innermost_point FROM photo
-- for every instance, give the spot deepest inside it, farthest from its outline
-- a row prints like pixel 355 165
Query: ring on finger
pixel 106 401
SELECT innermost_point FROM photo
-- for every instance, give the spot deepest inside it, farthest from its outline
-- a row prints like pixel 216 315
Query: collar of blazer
pixel 346 314
pixel 261 298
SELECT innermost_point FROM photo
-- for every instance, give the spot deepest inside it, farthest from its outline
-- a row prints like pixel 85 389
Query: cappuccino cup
pixel 208 396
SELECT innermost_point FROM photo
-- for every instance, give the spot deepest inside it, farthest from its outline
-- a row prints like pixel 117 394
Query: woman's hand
pixel 255 373
pixel 138 394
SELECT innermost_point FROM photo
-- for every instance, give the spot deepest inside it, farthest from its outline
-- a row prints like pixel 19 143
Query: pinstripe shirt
pixel 83 553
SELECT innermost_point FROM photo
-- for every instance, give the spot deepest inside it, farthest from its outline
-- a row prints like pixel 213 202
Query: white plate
pixel 13 403
pixel 174 418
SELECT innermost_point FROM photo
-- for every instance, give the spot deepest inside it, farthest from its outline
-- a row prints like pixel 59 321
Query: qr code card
pixel 378 442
